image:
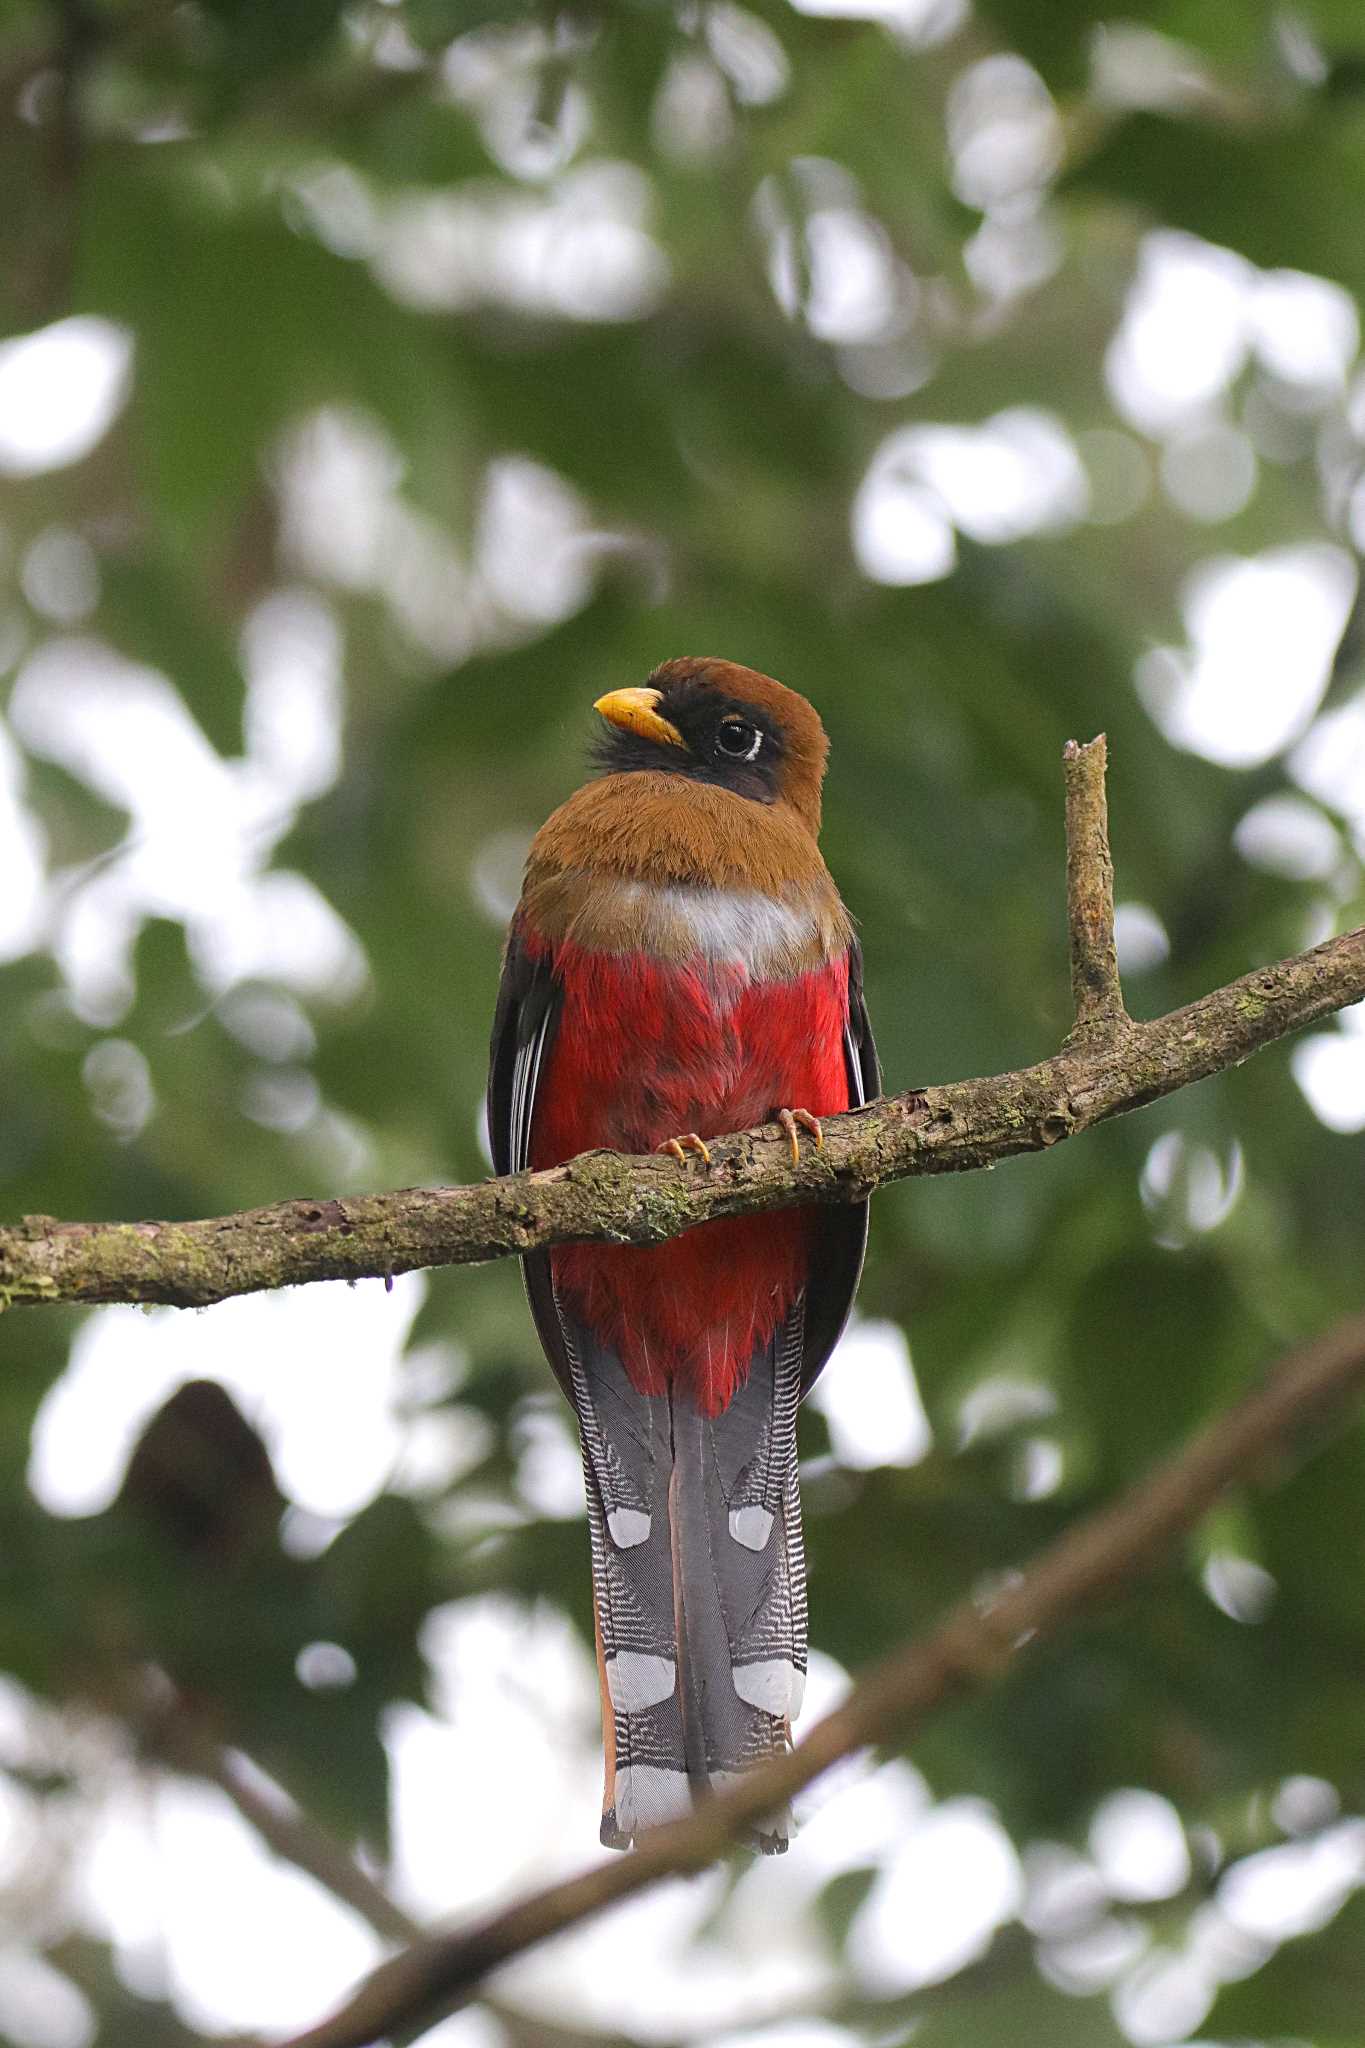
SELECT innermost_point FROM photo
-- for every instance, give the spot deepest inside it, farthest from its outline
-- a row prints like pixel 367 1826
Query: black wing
pixel 524 1025
pixel 841 1228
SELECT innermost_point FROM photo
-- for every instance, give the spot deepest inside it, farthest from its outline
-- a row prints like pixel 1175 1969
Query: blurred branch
pixel 1108 1065
pixel 977 1642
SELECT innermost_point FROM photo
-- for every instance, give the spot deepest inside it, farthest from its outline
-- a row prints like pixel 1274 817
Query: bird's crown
pixel 715 722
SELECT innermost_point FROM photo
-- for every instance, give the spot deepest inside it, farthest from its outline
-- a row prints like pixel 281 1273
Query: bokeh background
pixel 381 383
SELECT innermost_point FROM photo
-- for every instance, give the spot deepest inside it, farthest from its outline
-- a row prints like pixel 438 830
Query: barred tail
pixel 698 1580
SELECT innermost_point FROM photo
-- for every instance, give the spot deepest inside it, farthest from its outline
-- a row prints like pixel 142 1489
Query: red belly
pixel 645 1051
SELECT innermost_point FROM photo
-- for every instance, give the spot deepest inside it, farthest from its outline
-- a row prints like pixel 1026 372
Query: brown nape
pixel 803 736
pixel 663 828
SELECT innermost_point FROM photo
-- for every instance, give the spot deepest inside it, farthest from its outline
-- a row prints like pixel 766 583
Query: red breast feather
pixel 646 1049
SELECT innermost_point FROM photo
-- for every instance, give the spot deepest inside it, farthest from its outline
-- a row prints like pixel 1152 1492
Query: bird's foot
pixel 793 1120
pixel 688 1142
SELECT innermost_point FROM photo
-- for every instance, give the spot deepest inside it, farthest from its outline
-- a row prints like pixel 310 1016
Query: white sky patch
pixel 1263 631
pixel 1063 1890
pixel 1229 1953
pixel 21 1826
pixel 529 547
pixel 921 23
pixel 1139 1846
pixel 1187 1187
pixel 549 1462
pixel 1016 248
pixel 495 73
pixel 939 1900
pixel 1000 1403
pixel 440 1445
pixel 291 649
pixel 339 476
pixel 212 1871
pixel 581 251
pixel 1018 473
pixel 1195 313
pixel 1163 1998
pixel 1135 66
pixel 1141 938
pixel 1287 835
pixel 470 2029
pixel 869 1396
pixel 279 927
pixel 854 288
pixel 60 389
pixel 748 52
pixel 1185 330
pixel 902 534
pixel 1329 1067
pixel 1329 763
pixel 39 2007
pixel 316 1369
pixel 1094 1955
pixel 336 205
pixel 862 1815
pixel 1305 329
pixel 1304 1804
pixel 693 118
pixel 104 719
pixel 1295 1889
pixel 201 828
pixel 509 1682
pixel 1039 1468
pixel 1239 1587
pixel 1004 136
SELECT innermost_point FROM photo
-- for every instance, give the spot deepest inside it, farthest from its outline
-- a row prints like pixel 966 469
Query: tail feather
pixel 698 1579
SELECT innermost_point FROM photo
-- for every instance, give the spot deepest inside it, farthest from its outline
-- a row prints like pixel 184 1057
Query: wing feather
pixel 841 1229
pixel 524 1024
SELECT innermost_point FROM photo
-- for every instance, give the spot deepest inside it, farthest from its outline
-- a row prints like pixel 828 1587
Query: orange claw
pixel 793 1120
pixel 688 1142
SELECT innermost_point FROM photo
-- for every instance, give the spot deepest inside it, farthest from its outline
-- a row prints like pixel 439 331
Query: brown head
pixel 715 722
pixel 709 774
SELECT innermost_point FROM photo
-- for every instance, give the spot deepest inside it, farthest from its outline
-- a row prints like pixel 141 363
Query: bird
pixel 680 965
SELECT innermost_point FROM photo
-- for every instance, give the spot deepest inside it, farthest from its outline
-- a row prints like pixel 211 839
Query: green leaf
pixel 154 615
pixel 1258 190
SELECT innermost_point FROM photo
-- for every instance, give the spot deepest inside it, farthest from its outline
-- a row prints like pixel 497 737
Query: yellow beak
pixel 634 711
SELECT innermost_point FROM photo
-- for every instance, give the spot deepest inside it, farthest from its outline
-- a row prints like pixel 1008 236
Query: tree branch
pixel 978 1641
pixel 1095 989
pixel 1107 1066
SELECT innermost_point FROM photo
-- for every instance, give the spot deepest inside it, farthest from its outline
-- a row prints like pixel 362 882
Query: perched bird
pixel 680 965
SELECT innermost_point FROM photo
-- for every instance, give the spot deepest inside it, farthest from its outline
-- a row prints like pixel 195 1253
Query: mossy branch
pixel 1108 1065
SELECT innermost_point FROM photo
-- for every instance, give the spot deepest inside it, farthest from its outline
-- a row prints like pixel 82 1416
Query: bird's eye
pixel 738 741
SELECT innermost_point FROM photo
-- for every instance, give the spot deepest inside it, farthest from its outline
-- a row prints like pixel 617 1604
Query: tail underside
pixel 698 1580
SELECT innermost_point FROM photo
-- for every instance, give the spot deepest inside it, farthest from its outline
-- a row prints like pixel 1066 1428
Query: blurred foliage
pixel 518 350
